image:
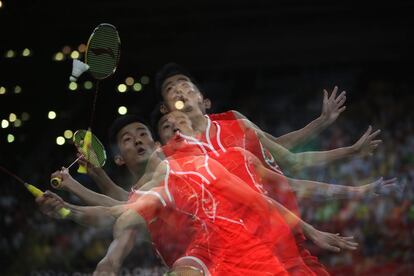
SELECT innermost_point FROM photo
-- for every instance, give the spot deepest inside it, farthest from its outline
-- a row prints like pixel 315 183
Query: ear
pixel 207 103
pixel 119 161
pixel 163 109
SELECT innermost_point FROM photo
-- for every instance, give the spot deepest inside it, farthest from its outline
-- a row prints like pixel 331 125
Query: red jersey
pixel 229 132
pixel 225 213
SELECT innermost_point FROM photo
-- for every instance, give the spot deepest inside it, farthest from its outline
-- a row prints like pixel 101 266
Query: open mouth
pixel 141 151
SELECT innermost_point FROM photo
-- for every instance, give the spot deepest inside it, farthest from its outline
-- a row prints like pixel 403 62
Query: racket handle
pixel 33 190
pixel 55 182
pixel 64 212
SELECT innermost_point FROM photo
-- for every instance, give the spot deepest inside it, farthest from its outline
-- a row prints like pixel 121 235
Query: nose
pixel 138 141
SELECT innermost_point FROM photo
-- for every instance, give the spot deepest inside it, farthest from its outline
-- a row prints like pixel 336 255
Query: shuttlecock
pixel 78 67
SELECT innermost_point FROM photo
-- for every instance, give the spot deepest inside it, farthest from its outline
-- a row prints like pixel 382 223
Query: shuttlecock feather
pixel 78 68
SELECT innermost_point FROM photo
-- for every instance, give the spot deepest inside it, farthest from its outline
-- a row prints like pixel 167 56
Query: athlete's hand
pixel 65 179
pixel 91 169
pixel 332 106
pixel 366 144
pixel 330 241
pixel 380 187
pixel 50 204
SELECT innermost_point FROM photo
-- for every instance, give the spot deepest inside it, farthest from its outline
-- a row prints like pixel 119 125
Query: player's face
pixel 179 93
pixel 135 144
pixel 172 124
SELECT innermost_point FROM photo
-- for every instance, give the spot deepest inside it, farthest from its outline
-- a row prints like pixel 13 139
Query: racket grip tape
pixel 64 212
pixel 55 182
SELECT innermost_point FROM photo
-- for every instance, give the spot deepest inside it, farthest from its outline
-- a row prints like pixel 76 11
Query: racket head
pixel 103 51
pixel 95 154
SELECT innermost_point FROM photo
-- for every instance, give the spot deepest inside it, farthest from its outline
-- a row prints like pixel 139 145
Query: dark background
pixel 268 59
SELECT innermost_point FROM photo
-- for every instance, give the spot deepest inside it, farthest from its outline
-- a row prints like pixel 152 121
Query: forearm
pixel 315 158
pixel 107 186
pixel 320 190
pixel 300 136
pixel 95 216
pixel 90 197
pixel 117 252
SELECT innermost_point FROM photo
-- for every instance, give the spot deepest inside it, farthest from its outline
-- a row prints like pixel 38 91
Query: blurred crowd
pixel 32 244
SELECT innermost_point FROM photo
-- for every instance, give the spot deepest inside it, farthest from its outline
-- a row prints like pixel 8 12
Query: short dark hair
pixel 169 70
pixel 121 122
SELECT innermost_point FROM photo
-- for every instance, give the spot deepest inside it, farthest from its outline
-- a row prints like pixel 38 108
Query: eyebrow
pixel 162 121
pixel 181 117
pixel 184 78
pixel 141 128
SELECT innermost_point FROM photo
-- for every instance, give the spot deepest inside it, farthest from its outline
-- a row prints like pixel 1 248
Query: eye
pixel 165 126
pixel 143 134
pixel 127 139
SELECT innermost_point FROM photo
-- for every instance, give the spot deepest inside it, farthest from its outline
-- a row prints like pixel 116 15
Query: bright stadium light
pixel 68 134
pixel 10 138
pixel 17 123
pixel 73 86
pixel 60 140
pixel 122 110
pixel 122 88
pixel 51 115
pixel 129 81
pixel 74 55
pixel 137 86
pixel 26 52
pixel 12 117
pixel 4 123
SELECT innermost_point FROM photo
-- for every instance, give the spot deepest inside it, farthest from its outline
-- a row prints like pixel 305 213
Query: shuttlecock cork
pixel 78 68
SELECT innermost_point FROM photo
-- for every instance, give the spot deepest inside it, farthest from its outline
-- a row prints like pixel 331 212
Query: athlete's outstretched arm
pixel 101 178
pixel 332 107
pixel 242 193
pixel 325 240
pixel 88 196
pixel 364 146
pixel 125 230
pixel 320 190
pixel 96 216
pixel 116 254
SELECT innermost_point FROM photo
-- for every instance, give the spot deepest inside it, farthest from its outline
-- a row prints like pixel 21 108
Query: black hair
pixel 121 122
pixel 169 70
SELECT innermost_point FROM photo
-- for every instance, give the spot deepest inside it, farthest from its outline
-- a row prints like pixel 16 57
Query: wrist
pixel 352 149
pixel 323 121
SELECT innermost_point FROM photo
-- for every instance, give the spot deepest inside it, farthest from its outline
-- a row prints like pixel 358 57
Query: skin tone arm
pixel 295 161
pixel 242 194
pixel 118 250
pixel 320 190
pixel 95 216
pixel 86 195
pixel 332 107
pixel 314 189
pixel 124 232
pixel 104 182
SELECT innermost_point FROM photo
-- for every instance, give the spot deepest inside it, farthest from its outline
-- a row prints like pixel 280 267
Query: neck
pixel 199 122
pixel 138 171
